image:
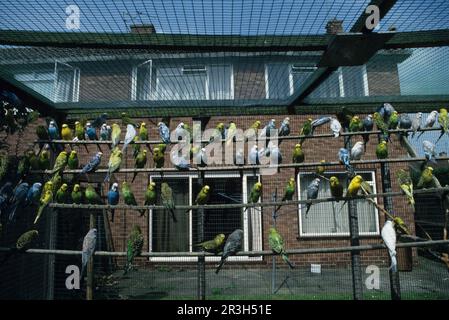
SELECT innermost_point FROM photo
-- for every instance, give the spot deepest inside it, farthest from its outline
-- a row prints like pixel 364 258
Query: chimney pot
pixel 334 26
pixel 142 29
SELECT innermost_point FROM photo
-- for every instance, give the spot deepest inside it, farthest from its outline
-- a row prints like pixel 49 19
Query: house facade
pixel 89 77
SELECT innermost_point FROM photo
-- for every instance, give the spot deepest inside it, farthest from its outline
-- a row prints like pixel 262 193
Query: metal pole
pixel 201 266
pixel 395 286
pixel 273 258
pixel 357 283
pixel 90 265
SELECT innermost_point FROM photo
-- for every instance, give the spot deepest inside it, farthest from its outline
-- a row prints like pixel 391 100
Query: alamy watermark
pixel 72 21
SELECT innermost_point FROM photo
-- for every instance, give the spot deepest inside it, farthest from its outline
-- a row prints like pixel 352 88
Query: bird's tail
pixel 220 265
pixel 441 135
pixel 308 208
pixel 341 208
pixel 365 139
pixel 287 261
pixel 108 177
pixel 394 262
pixel 83 267
pixel 39 213
pixel 112 215
pixel 142 212
pixel 12 212
pixel 172 212
pixel 420 134
pixel 134 177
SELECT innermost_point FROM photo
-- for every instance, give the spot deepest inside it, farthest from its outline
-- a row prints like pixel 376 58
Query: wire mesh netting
pixel 176 66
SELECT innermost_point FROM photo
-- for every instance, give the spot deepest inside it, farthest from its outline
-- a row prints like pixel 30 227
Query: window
pixel 184 82
pixel 169 236
pixel 344 82
pixel 277 81
pixel 299 75
pixel 326 218
pixel 59 84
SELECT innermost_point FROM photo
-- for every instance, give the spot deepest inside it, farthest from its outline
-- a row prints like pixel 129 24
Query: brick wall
pixel 315 150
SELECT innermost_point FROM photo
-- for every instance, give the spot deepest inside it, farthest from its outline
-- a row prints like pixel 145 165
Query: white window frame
pixel 134 79
pixel 257 239
pixel 290 75
pixel 76 82
pixel 364 79
pixel 339 234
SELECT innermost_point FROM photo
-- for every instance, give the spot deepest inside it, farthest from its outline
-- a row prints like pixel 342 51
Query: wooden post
pixel 90 265
pixel 356 268
pixel 201 265
pixel 395 286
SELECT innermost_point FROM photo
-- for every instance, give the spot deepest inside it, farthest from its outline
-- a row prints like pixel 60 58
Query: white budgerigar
pixel 129 137
pixel 335 126
pixel 357 150
pixel 389 237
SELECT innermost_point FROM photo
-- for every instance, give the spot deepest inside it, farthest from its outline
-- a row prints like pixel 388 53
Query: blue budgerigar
pixel 93 164
pixel 113 198
pixel 89 245
pixel 91 132
pixel 105 132
pixel 34 194
pixel 18 200
pixel 312 192
pixel 368 125
pixel 344 157
pixel 164 132
pixel 284 129
pixel 319 122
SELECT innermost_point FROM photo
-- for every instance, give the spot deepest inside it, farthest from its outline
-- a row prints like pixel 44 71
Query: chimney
pixel 334 26
pixel 142 28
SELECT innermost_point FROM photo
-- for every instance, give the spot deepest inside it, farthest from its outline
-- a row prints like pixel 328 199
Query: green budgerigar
pixel 128 197
pixel 336 187
pixel 289 191
pixel 62 195
pixel 77 194
pixel 73 162
pixel 406 184
pixel 167 199
pixel 60 162
pixel 381 125
pixel 321 169
pixel 91 195
pixel 140 161
pixel 115 135
pixel 44 160
pixel 134 248
pixel 276 243
pixel 356 124
pixel 298 154
pixel 214 245
pixel 115 160
pixel 443 121
pixel 158 157
pixel 256 192
pixel 393 121
pixel 382 150
pixel 44 201
pixel 426 178
pixel 23 243
pixel 143 132
pixel 202 197
pixel 150 194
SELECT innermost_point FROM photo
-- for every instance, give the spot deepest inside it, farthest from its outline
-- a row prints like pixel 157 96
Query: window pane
pixel 353 82
pixel 331 217
pixel 167 235
pixel 278 81
pixel 222 191
pixel 143 85
pixel 220 82
pixel 299 78
pixel 173 84
pixel 64 85
pixel 41 82
pixel 330 88
pixel 253 218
